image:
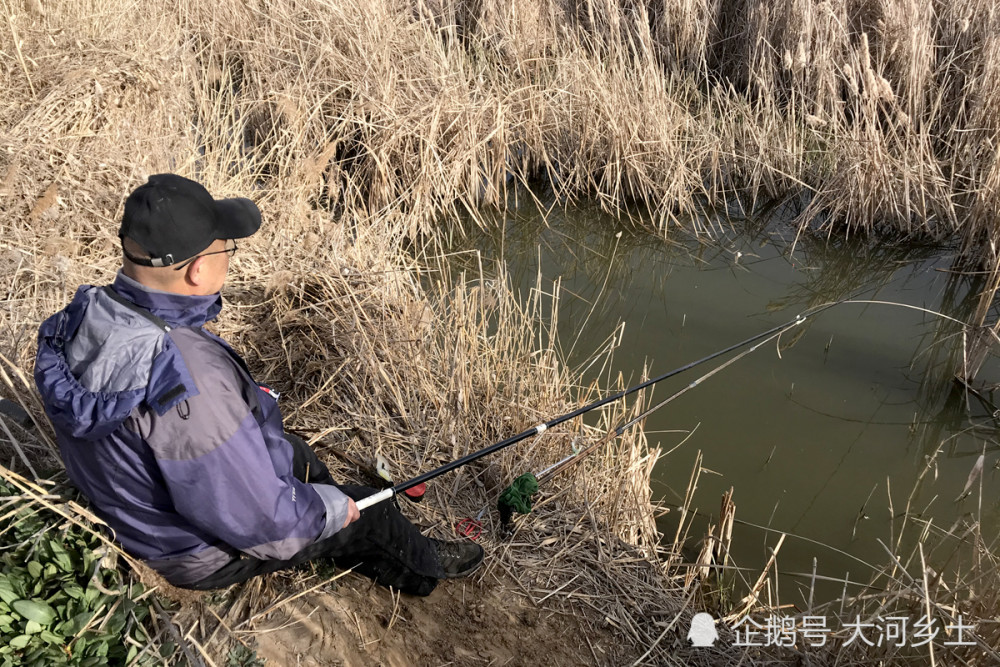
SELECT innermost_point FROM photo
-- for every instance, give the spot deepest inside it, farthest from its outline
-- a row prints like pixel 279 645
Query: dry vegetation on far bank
pixel 363 127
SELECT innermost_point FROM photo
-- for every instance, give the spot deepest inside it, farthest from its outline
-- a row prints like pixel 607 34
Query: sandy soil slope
pixel 475 621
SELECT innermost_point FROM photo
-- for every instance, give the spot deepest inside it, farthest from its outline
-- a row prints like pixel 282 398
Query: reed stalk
pixel 365 128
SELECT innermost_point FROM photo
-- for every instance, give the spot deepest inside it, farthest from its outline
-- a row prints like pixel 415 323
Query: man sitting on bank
pixel 178 448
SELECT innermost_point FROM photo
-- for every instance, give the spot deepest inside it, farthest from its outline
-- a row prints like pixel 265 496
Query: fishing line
pixel 386 494
pixel 570 460
pixel 517 496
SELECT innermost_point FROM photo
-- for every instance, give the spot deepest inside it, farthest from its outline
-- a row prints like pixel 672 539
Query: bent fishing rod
pixel 386 494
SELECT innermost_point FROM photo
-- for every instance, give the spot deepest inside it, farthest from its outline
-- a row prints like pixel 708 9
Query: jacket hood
pixel 98 359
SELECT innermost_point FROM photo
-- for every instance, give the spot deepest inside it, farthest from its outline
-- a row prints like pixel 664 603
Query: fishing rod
pixel 572 459
pixel 517 496
pixel 386 494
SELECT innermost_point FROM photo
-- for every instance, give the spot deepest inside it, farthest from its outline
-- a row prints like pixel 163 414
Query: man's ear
pixel 195 272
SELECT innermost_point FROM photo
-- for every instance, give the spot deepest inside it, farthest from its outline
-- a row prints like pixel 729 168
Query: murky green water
pixel 817 442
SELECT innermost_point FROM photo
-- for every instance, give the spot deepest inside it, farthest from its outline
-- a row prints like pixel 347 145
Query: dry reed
pixel 363 128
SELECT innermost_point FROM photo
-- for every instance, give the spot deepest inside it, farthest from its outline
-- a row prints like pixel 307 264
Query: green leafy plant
pixel 61 602
pixel 244 656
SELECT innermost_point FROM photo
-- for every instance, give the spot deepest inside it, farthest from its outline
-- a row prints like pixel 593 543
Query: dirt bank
pixel 484 621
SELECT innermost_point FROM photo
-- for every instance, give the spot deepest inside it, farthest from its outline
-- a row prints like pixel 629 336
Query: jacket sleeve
pixel 228 479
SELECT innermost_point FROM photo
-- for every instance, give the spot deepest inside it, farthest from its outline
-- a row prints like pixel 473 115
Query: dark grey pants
pixel 382 545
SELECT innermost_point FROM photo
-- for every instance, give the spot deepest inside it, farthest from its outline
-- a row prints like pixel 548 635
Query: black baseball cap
pixel 174 218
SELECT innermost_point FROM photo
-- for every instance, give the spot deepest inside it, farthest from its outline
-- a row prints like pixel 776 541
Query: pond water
pixel 823 441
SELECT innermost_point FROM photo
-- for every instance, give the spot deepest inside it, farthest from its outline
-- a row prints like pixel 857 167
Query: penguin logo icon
pixel 702 632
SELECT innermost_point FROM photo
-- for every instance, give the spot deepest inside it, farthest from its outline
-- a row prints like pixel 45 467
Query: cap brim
pixel 238 218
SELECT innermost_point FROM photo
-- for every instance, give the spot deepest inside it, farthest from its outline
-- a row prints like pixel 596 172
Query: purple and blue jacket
pixel 175 445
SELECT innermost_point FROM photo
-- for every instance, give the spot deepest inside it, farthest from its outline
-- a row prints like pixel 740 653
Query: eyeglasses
pixel 230 251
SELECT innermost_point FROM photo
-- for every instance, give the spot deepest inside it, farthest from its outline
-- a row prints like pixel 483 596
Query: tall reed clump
pixel 296 109
pixel 363 127
pixel 883 114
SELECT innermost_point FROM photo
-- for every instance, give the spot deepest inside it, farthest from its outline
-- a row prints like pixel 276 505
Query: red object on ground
pixel 416 493
pixel 469 528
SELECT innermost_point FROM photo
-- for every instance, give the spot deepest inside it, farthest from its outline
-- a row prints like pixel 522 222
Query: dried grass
pixel 362 128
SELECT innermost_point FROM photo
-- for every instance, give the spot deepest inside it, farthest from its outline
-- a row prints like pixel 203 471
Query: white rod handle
pixel 374 499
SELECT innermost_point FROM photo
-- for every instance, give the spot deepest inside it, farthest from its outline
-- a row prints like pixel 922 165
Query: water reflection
pixel 823 436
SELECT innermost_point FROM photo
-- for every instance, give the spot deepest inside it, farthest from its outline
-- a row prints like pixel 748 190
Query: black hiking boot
pixel 458 559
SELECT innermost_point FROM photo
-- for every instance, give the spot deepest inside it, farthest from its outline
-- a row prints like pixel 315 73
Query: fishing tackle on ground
pixel 469 527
